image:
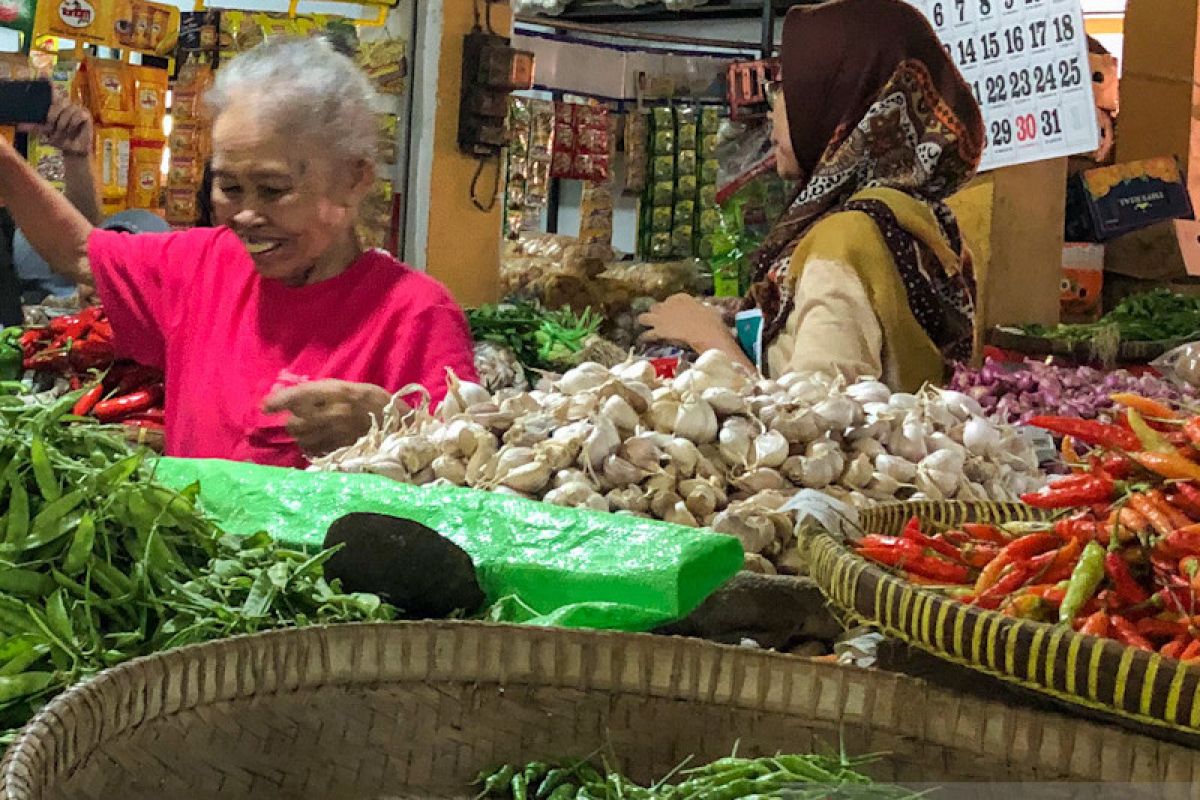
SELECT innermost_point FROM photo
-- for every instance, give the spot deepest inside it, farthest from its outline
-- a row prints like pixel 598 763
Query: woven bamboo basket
pixel 1101 676
pixel 417 709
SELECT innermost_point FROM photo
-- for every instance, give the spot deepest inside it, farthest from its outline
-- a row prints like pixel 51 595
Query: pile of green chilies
pixel 100 564
pixel 802 777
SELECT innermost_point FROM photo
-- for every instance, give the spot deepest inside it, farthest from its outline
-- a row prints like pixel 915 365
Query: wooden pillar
pixel 1013 221
pixel 449 237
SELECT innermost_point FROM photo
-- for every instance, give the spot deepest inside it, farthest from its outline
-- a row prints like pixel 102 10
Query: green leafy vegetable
pixel 100 564
pixel 1155 316
pixel 542 339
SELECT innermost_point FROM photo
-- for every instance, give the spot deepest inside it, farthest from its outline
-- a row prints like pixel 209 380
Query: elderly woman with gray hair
pixel 279 335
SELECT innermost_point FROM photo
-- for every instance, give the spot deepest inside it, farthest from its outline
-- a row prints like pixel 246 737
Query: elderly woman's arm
pixel 57 231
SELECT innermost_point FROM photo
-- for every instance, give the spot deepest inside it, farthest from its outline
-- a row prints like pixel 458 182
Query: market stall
pixel 1032 517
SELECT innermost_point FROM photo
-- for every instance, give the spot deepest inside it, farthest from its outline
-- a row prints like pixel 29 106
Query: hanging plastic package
pixel 537 563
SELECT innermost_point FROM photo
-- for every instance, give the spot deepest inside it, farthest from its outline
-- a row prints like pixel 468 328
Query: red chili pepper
pixel 1116 465
pixel 1052 593
pixel 1088 489
pixel 939 570
pixel 1061 563
pixel 85 404
pixel 878 540
pixel 133 377
pixel 958 538
pixel 1126 587
pixel 1185 541
pixel 90 354
pixel 1079 526
pixel 912 532
pixel 1191 652
pixel 1178 518
pixel 1155 628
pixel 143 423
pixel 892 555
pixel 979 555
pixel 1175 647
pixel 155 415
pixel 1187 498
pixel 1016 577
pixel 986 533
pixel 115 409
pixel 1097 434
pixel 1095 624
pixel 1153 514
pixel 1126 634
pixel 1191 429
pixel 1180 599
pixel 1029 546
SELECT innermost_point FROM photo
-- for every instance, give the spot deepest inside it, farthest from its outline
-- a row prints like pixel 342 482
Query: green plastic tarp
pixel 537 563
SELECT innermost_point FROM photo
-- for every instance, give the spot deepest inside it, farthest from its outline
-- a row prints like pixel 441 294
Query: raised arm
pixel 57 231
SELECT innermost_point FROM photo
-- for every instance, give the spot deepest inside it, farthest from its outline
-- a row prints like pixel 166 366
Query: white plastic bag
pixel 1181 365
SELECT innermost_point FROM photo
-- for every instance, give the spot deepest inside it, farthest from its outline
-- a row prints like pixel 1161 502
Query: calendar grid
pixel 1027 63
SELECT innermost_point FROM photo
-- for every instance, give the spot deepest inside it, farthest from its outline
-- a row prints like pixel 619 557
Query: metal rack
pixel 604 12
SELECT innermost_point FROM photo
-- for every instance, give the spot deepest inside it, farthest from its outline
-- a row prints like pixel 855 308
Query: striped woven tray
pixel 1119 683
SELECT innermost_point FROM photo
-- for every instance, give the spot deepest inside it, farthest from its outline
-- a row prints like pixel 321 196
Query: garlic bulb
pixel 695 421
pixel 770 449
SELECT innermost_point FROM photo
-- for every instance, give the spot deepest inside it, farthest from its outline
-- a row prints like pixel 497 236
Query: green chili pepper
pixel 17 525
pixel 81 546
pixel 26 658
pixel 1085 579
pixel 520 787
pixel 57 617
pixel 554 779
pixel 498 781
pixel 43 473
pixel 15 687
pixel 25 582
pixel 563 792
pixel 48 524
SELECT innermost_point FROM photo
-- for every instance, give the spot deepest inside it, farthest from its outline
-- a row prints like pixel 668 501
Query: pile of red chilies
pixel 79 347
pixel 1121 559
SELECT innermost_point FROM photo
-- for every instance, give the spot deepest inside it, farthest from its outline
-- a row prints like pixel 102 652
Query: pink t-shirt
pixel 192 304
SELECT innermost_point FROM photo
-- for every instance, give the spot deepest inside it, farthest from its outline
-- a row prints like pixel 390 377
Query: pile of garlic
pixel 712 447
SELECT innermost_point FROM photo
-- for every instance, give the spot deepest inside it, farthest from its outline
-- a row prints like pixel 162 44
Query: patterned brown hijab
pixel 873 100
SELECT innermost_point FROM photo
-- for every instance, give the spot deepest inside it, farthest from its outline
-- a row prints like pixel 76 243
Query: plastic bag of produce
pixel 537 563
pixel 1181 364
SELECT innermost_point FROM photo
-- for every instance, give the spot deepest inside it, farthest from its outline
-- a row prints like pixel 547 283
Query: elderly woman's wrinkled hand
pixel 328 414
pixel 683 319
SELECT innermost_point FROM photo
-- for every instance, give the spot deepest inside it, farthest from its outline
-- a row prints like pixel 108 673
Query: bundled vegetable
pixel 795 776
pixel 710 447
pixel 1156 316
pixel 539 338
pixel 1015 394
pixel 1120 558
pixel 100 564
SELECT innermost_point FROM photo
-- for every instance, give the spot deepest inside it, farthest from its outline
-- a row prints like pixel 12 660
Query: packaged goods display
pixel 582 143
pixel 679 211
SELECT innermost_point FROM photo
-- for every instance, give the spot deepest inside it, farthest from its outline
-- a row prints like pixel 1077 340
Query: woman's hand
pixel 68 127
pixel 328 414
pixel 682 319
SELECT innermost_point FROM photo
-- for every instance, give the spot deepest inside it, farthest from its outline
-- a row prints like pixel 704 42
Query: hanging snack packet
pixel 112 148
pixel 110 91
pixel 151 93
pixel 145 174
pixel 636 155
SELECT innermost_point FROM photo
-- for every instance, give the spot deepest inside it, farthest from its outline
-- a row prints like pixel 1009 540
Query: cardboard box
pixel 1108 202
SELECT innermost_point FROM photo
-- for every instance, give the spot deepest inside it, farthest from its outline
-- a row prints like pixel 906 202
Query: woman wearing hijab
pixel 865 274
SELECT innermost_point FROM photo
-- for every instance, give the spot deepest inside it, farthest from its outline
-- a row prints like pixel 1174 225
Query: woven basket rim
pixel 840 578
pixel 54 743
